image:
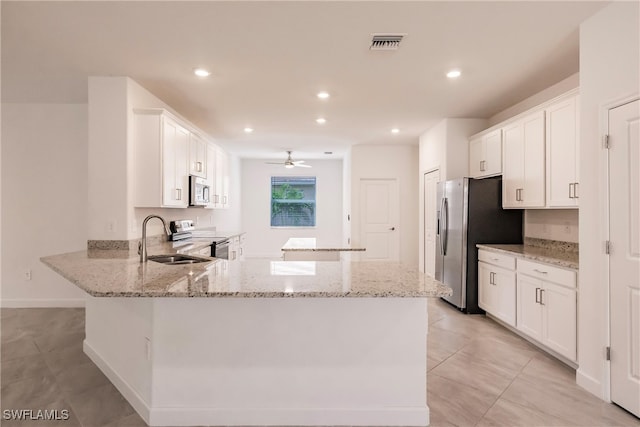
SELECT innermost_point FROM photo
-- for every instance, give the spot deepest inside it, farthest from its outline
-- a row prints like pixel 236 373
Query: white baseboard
pixel 290 417
pixel 42 303
pixel 590 384
pixel 123 387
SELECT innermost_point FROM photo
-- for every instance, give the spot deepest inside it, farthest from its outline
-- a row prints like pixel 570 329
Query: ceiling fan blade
pixel 298 161
pixel 301 166
pixel 274 163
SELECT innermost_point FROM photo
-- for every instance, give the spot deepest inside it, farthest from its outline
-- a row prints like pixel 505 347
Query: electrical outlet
pixel 27 275
pixel 111 226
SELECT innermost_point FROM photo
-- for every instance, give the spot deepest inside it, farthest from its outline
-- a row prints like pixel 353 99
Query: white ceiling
pixel 269 59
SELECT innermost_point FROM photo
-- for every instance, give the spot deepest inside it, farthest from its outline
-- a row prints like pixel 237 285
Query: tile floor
pixel 480 374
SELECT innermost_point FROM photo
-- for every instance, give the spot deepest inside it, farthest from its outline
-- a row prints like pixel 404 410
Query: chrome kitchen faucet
pixel 143 243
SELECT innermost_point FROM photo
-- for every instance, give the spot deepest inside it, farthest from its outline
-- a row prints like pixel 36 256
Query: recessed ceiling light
pixel 321 120
pixel 453 74
pixel 248 130
pixel 395 130
pixel 201 72
pixel 323 95
pixel 328 152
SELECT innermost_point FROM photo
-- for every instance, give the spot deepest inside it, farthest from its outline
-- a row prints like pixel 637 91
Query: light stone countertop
pixel 549 255
pixel 308 244
pixel 113 273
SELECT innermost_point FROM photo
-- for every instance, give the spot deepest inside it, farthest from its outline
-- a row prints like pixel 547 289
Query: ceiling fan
pixel 290 163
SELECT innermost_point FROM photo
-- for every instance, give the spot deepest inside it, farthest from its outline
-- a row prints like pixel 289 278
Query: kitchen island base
pixel 264 361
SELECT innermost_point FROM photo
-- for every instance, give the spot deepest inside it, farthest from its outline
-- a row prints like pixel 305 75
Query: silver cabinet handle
pixel 575 190
pixel 570 190
pixel 540 271
pixel 178 193
pixel 482 165
pixel 241 251
pixel 224 200
pixel 537 298
pixel 541 294
pixel 216 198
pixel 518 194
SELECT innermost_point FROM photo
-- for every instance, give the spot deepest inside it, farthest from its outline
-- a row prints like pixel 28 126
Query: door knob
pixel 392 228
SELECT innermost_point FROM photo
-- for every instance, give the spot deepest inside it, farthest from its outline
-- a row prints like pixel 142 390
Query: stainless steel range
pixel 184 229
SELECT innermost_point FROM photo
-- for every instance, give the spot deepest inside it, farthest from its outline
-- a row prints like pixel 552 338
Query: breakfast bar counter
pixel 258 342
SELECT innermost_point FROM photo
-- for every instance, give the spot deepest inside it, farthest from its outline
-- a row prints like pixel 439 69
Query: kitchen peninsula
pixel 258 342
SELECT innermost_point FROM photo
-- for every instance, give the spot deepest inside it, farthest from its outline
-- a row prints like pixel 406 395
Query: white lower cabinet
pixel 497 292
pixel 536 298
pixel 236 248
pixel 546 311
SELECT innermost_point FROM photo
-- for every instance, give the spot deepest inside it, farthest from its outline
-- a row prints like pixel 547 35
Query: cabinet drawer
pixel 547 272
pixel 501 260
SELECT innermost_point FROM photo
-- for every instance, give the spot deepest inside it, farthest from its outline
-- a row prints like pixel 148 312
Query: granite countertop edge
pixel 557 258
pixel 111 274
pixel 323 249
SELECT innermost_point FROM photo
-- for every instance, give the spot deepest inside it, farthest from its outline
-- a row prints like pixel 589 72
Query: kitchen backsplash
pixel 551 224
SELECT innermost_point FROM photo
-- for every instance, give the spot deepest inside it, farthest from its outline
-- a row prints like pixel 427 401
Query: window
pixel 293 201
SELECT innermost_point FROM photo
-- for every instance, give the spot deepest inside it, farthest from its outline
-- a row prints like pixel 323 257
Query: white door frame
pixel 604 124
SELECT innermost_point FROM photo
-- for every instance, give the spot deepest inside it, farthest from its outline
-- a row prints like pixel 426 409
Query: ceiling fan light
pixel 289 166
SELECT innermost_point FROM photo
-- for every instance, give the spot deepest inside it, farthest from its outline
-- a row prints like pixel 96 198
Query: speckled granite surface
pixel 116 273
pixel 303 244
pixel 563 256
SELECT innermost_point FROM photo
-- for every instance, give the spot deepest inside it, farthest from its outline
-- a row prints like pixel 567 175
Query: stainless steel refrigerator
pixel 470 212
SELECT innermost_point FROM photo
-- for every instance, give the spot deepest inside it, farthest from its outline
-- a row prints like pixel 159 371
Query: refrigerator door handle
pixel 440 222
pixel 445 228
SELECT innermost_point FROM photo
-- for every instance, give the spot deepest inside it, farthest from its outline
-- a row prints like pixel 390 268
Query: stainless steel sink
pixel 176 259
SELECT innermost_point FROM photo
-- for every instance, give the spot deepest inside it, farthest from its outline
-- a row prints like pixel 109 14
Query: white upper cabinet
pixel 523 179
pixel 562 153
pixel 161 160
pixel 485 155
pixel 218 177
pixel 197 155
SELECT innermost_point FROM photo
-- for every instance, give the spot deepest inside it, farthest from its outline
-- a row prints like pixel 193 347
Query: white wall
pixel 111 104
pixel 551 92
pixel 389 161
pixel 445 146
pixel 552 224
pixel 609 70
pixel 264 241
pixel 44 199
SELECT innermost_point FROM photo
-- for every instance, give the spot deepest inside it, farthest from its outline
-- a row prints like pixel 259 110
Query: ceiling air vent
pixel 386 41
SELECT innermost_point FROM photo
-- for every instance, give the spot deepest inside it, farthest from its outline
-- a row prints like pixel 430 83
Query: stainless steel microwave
pixel 198 191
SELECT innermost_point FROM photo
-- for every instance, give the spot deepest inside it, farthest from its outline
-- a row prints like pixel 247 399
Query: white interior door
pixel 379 215
pixel 430 221
pixel 624 262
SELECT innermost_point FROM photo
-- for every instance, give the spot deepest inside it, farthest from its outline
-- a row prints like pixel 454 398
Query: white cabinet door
pixel 559 324
pixel 485 155
pixel 524 160
pixel 533 161
pixel 513 168
pixel 476 157
pixel 211 174
pixel 485 288
pixel 562 154
pixel 493 153
pixel 175 184
pixel 528 309
pixel 504 282
pixel 197 155
pixel 497 292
